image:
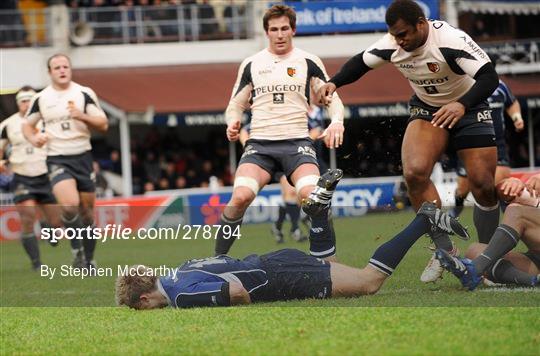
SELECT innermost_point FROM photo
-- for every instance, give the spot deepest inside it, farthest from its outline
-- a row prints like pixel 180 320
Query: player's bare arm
pixel 510 188
pixel 233 131
pixel 238 294
pixel 333 135
pixel 448 115
pixel 486 81
pixel 36 138
pixel 324 94
pixel 533 184
pixel 514 111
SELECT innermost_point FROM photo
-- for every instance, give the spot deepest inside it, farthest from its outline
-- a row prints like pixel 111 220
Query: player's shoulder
pixel 387 41
pixel 81 88
pixel 259 56
pixel 9 121
pixel 47 90
pixel 305 54
pixel 446 35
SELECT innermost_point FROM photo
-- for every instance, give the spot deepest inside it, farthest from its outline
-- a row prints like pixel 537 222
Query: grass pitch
pixel 406 316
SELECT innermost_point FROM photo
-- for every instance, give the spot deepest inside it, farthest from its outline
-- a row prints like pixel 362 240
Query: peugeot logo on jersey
pixel 291 71
pixel 434 67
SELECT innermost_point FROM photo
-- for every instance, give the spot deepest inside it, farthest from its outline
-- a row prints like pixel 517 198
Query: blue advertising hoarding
pixel 349 200
pixel 348 16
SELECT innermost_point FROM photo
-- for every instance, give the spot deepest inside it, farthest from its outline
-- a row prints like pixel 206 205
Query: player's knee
pixel 416 175
pixel 69 212
pixel 241 198
pixel 475 250
pixel 305 185
pixel 513 214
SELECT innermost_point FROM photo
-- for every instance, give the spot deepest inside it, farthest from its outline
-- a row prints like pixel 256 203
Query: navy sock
pixel 281 217
pixel 388 256
pixel 225 241
pixel 322 242
pixel 89 243
pixel 74 222
pixel 293 210
pixel 31 247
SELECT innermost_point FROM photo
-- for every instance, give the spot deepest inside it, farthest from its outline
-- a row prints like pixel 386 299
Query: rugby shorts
pixel 78 167
pixel 281 155
pixel 473 130
pixel 292 274
pixel 31 188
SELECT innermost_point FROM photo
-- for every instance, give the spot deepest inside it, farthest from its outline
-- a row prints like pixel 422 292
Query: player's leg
pixel 317 192
pixel 352 282
pixel 462 190
pixel 291 207
pixel 480 164
pixel 27 211
pixel 512 268
pixel 52 217
pixel 282 210
pixel 422 146
pixel 501 173
pixel 88 200
pixel 518 221
pixel 348 281
pixel 249 179
pixel 66 194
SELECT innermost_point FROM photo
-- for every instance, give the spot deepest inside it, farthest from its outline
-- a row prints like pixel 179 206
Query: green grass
pixel 405 317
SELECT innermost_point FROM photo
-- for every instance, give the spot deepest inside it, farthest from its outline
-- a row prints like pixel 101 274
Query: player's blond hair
pixel 130 286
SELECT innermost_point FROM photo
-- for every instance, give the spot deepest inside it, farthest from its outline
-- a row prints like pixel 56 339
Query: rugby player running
pixel 275 84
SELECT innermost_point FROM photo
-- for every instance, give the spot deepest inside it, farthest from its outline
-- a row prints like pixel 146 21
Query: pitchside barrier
pixel 203 206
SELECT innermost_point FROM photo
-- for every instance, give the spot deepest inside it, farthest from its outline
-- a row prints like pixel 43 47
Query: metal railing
pixel 137 24
pixel 25 28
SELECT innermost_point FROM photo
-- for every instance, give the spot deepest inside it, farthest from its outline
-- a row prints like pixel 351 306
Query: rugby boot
pixel 462 268
pixel 442 221
pixel 321 197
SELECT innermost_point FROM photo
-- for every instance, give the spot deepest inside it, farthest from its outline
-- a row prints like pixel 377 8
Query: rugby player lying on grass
pixel 496 261
pixel 280 275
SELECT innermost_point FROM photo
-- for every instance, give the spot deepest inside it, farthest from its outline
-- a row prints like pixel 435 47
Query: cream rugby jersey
pixel 67 136
pixel 25 159
pixel 441 71
pixel 277 89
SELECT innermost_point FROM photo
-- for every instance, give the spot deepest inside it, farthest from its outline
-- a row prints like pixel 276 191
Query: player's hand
pixel 510 188
pixel 324 94
pixel 75 113
pixel 333 135
pixel 233 131
pixel 39 139
pixel 533 183
pixel 448 115
pixel 519 125
pixel 3 165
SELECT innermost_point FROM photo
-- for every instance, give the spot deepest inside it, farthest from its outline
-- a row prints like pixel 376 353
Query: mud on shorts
pixel 31 188
pixel 474 130
pixel 292 274
pixel 281 155
pixel 78 167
